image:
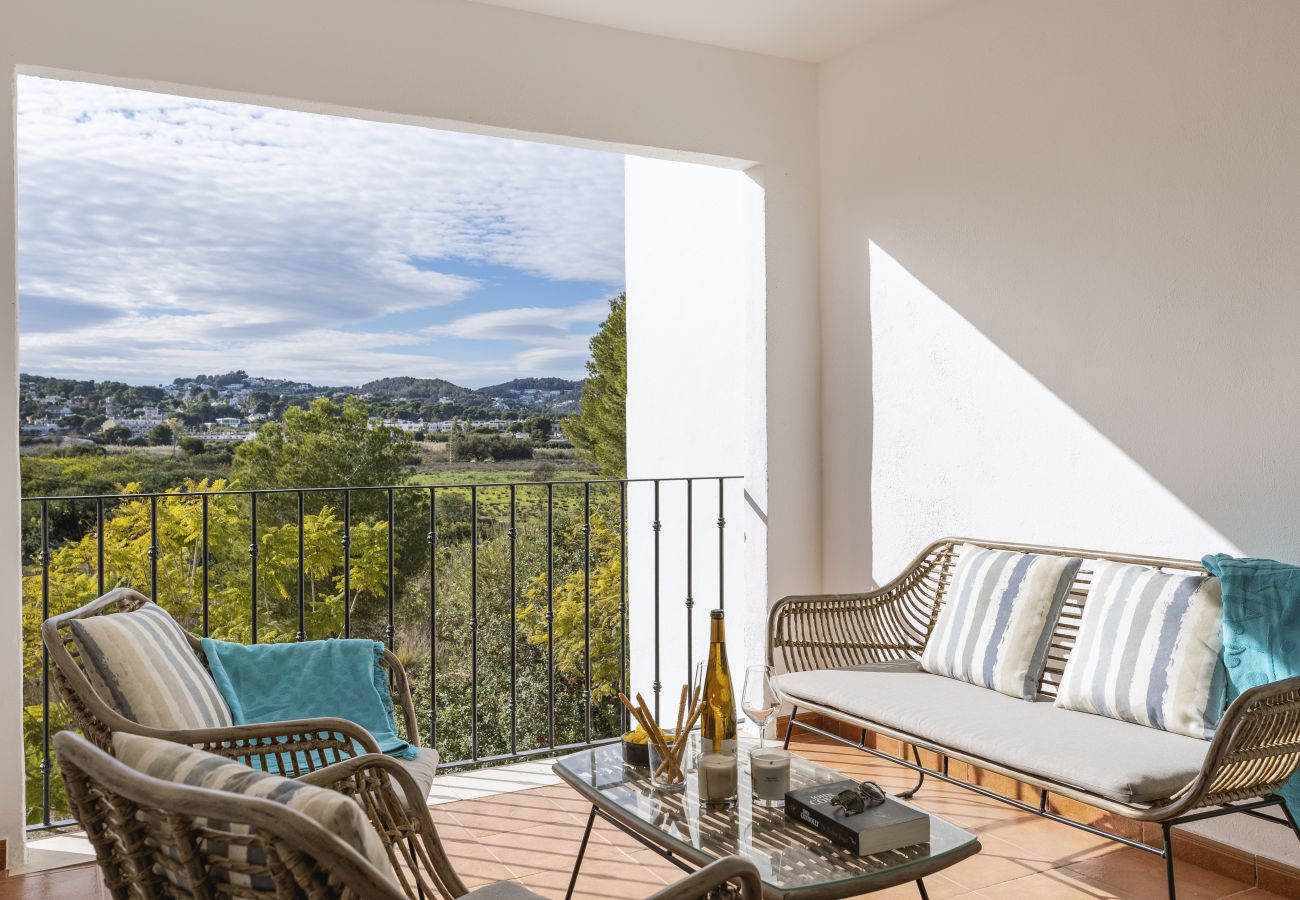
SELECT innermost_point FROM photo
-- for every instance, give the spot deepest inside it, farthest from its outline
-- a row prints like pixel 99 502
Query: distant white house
pixel 40 428
pixel 229 436
pixel 229 422
pixel 139 426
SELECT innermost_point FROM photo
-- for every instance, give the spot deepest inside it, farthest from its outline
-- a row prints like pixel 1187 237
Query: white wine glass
pixel 758 699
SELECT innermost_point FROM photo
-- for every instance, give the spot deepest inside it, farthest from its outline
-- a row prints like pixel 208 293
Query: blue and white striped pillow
pixel 996 623
pixel 141 663
pixel 335 812
pixel 1148 650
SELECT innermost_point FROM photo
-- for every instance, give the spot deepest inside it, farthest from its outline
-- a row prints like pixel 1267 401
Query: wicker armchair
pixel 322 751
pixel 149 844
pixel 299 746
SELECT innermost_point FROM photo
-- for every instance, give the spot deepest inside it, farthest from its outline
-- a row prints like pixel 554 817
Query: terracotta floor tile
pixel 81 882
pixel 632 882
pixel 1057 884
pixel 997 862
pixel 1143 876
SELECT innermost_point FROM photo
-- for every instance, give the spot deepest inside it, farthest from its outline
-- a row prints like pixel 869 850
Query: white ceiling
pixel 811 30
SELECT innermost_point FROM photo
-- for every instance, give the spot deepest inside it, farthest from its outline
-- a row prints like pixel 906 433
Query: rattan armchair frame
pixel 1255 750
pixel 156 839
pixel 292 747
pixel 330 752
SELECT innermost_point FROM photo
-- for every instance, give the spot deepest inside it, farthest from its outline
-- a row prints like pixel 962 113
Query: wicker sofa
pixel 855 658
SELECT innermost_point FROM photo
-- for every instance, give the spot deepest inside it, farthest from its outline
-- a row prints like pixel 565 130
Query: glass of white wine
pixel 758 699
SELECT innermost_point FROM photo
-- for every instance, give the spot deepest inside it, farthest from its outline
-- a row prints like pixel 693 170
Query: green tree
pixel 600 429
pixel 160 435
pixel 327 444
pixel 116 434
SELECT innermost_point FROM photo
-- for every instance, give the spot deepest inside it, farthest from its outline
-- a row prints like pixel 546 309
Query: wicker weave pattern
pixel 154 839
pixel 314 743
pixel 1255 750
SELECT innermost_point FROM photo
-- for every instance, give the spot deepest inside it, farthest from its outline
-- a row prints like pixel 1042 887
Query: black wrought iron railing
pixel 508 602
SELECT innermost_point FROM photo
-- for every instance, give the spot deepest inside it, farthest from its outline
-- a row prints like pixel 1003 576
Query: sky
pixel 163 236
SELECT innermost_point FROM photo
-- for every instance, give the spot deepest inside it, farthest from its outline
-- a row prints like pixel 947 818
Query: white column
pixel 12 817
pixel 694 282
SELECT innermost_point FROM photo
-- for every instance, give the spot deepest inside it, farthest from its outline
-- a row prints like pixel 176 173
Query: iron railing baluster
pixel 99 545
pixel 657 526
pixel 153 549
pixel 433 616
pixel 550 613
pixel 586 607
pixel 513 534
pixel 623 684
pixel 207 563
pixel 390 630
pixel 722 548
pixel 253 552
pixel 473 622
pixel 347 564
pixel 302 570
pixel 47 772
pixel 690 581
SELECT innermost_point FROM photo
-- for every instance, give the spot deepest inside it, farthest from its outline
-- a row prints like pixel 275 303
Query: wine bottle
pixel 718 727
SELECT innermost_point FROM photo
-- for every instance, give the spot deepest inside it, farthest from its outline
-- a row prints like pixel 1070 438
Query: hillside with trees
pixel 490 590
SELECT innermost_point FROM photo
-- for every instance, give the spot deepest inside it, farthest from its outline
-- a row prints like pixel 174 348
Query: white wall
pixel 486 69
pixel 1059 287
pixel 1078 323
pixel 693 237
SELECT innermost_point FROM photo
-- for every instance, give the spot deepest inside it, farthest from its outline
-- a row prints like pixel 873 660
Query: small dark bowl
pixel 636 754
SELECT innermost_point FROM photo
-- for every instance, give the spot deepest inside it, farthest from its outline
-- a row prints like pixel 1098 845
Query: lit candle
pixel 717 777
pixel 769 773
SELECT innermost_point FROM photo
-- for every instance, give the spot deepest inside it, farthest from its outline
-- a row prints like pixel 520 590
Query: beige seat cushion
pixel 421 769
pixel 1117 760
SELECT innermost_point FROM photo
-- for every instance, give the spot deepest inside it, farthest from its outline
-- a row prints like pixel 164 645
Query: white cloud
pixel 228 229
pixel 538 325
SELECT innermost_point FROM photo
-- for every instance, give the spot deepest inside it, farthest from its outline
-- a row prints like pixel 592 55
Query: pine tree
pixel 600 429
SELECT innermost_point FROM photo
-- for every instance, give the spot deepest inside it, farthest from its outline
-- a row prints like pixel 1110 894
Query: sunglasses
pixel 855 800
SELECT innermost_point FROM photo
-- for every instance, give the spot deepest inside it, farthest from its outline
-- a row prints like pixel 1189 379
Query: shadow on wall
pixel 1107 194
pixel 967 441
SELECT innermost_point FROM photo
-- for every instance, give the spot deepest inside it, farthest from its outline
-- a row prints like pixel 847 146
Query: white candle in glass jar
pixel 717 777
pixel 769 773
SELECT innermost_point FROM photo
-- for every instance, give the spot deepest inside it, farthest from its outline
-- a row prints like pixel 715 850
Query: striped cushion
pixel 1148 650
pixel 996 624
pixel 336 813
pixel 142 665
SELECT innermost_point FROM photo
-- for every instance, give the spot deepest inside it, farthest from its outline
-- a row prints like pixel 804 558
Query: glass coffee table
pixel 794 861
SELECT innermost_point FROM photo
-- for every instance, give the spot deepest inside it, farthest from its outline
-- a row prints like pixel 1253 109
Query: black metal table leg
pixel 582 850
pixel 920 886
pixel 1169 860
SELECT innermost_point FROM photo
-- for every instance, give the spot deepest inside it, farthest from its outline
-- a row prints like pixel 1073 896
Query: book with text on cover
pixel 889 826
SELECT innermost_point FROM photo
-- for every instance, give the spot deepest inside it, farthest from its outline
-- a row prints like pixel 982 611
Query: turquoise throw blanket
pixel 306 680
pixel 1261 628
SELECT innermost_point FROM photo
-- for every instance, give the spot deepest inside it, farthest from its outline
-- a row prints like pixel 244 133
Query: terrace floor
pixel 531 835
